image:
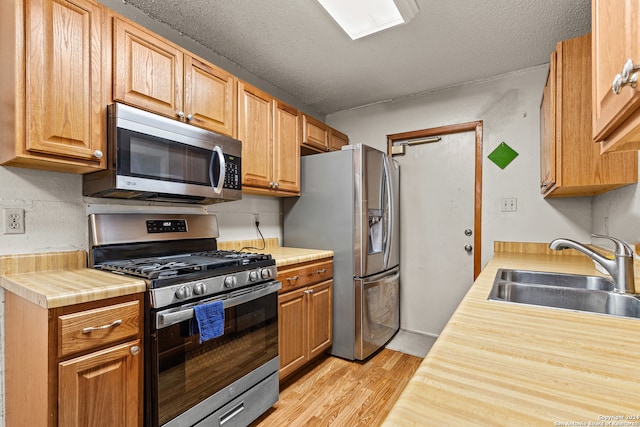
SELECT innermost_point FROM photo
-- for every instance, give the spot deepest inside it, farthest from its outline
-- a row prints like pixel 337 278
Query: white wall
pixel 509 108
pixel 617 213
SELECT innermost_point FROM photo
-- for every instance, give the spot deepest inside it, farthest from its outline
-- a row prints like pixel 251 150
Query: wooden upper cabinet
pixel 55 94
pixel 286 147
pixel 156 75
pixel 255 116
pixel 315 134
pixel 571 163
pixel 547 123
pixel 337 140
pixel 270 135
pixel 148 70
pixel 616 39
pixel 209 96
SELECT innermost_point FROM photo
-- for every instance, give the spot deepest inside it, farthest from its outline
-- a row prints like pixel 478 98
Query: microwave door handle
pixel 223 169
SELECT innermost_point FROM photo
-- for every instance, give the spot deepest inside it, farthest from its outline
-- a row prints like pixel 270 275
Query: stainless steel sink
pixel 566 291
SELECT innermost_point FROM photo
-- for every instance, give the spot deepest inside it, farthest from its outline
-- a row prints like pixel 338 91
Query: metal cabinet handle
pixel 271 184
pixel 181 114
pixel 98 154
pixel 628 77
pixel 321 271
pixel 135 350
pixel 276 185
pixel 99 328
pixel 308 291
pixel 189 117
pixel 289 279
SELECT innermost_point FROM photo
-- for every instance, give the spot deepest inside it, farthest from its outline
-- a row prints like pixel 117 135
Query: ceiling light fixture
pixel 359 18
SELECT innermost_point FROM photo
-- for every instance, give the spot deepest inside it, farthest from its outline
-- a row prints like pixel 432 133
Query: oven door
pixel 190 381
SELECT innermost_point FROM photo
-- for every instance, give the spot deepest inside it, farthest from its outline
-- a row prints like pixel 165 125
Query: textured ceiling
pixel 296 47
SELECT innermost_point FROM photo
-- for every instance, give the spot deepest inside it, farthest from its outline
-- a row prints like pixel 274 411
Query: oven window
pixel 146 156
pixel 189 372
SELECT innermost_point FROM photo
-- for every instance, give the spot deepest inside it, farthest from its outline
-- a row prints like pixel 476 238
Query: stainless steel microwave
pixel 151 157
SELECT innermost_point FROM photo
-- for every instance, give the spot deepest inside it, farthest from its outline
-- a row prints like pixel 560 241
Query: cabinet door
pixel 148 70
pixel 65 112
pixel 315 134
pixel 101 388
pixel 616 38
pixel 337 140
pixel 254 130
pixel 547 130
pixel 319 308
pixel 286 148
pixel 292 331
pixel 209 96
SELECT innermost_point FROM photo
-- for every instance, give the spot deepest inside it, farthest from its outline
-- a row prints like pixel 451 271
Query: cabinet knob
pixel 289 279
pixel 181 114
pixel 189 117
pixel 98 154
pixel 628 77
pixel 321 271
pixel 276 185
pixel 135 350
pixel 271 184
pixel 308 291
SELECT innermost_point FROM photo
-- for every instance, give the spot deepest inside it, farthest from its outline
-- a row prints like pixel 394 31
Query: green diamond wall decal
pixel 502 155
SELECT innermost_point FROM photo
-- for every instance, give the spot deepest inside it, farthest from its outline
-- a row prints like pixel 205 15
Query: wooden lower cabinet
pixel 100 388
pixel 59 373
pixel 304 314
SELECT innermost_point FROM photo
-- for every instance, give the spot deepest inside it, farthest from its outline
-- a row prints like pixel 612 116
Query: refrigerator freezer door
pixel 376 189
pixel 377 312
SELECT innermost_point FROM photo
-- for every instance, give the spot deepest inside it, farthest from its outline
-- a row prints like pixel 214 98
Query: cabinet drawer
pixel 89 329
pixel 298 275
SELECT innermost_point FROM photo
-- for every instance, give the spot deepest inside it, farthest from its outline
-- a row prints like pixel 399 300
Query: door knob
pixel 468 232
pixel 468 248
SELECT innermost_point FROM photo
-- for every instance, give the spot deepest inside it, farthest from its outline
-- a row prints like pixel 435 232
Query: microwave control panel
pixel 233 173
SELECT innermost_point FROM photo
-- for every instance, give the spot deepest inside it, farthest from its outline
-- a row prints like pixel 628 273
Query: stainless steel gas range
pixel 229 379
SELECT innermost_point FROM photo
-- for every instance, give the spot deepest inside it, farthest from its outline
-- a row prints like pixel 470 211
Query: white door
pixel 436 208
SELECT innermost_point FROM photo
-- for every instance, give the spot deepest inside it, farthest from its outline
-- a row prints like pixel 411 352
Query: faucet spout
pixel 620 268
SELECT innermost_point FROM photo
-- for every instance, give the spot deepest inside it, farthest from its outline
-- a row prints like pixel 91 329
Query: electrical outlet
pixel 13 221
pixel 508 204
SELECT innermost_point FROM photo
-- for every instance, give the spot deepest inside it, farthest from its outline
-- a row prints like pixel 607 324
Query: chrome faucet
pixel 620 268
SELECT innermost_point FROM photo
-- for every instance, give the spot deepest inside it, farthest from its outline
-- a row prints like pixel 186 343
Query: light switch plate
pixel 508 204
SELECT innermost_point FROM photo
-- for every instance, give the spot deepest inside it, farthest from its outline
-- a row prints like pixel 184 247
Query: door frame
pixel 475 126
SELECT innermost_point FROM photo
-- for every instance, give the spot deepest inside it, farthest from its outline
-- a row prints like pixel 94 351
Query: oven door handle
pixel 172 316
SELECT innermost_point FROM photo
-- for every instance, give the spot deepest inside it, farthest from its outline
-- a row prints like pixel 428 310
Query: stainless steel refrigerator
pixel 349 203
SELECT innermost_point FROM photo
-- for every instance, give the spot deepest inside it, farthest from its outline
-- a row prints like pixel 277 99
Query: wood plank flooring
pixel 337 392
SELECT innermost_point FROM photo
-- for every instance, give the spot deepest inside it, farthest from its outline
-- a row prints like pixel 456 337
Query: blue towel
pixel 210 318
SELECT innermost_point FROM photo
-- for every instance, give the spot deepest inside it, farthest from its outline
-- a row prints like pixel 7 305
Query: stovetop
pixel 191 265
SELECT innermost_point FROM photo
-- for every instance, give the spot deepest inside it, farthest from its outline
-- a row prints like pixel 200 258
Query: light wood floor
pixel 337 392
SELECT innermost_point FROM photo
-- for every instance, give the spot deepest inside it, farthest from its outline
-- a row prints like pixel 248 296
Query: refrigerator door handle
pixel 388 212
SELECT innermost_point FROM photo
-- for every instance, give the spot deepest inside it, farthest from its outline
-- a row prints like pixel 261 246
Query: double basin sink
pixel 593 294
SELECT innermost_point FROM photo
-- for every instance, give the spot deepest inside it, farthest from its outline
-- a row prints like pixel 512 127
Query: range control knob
pixel 253 276
pixel 265 273
pixel 182 292
pixel 229 281
pixel 199 288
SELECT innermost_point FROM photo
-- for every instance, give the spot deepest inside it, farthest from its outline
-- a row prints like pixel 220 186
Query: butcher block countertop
pixel 502 364
pixel 59 279
pixel 283 255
